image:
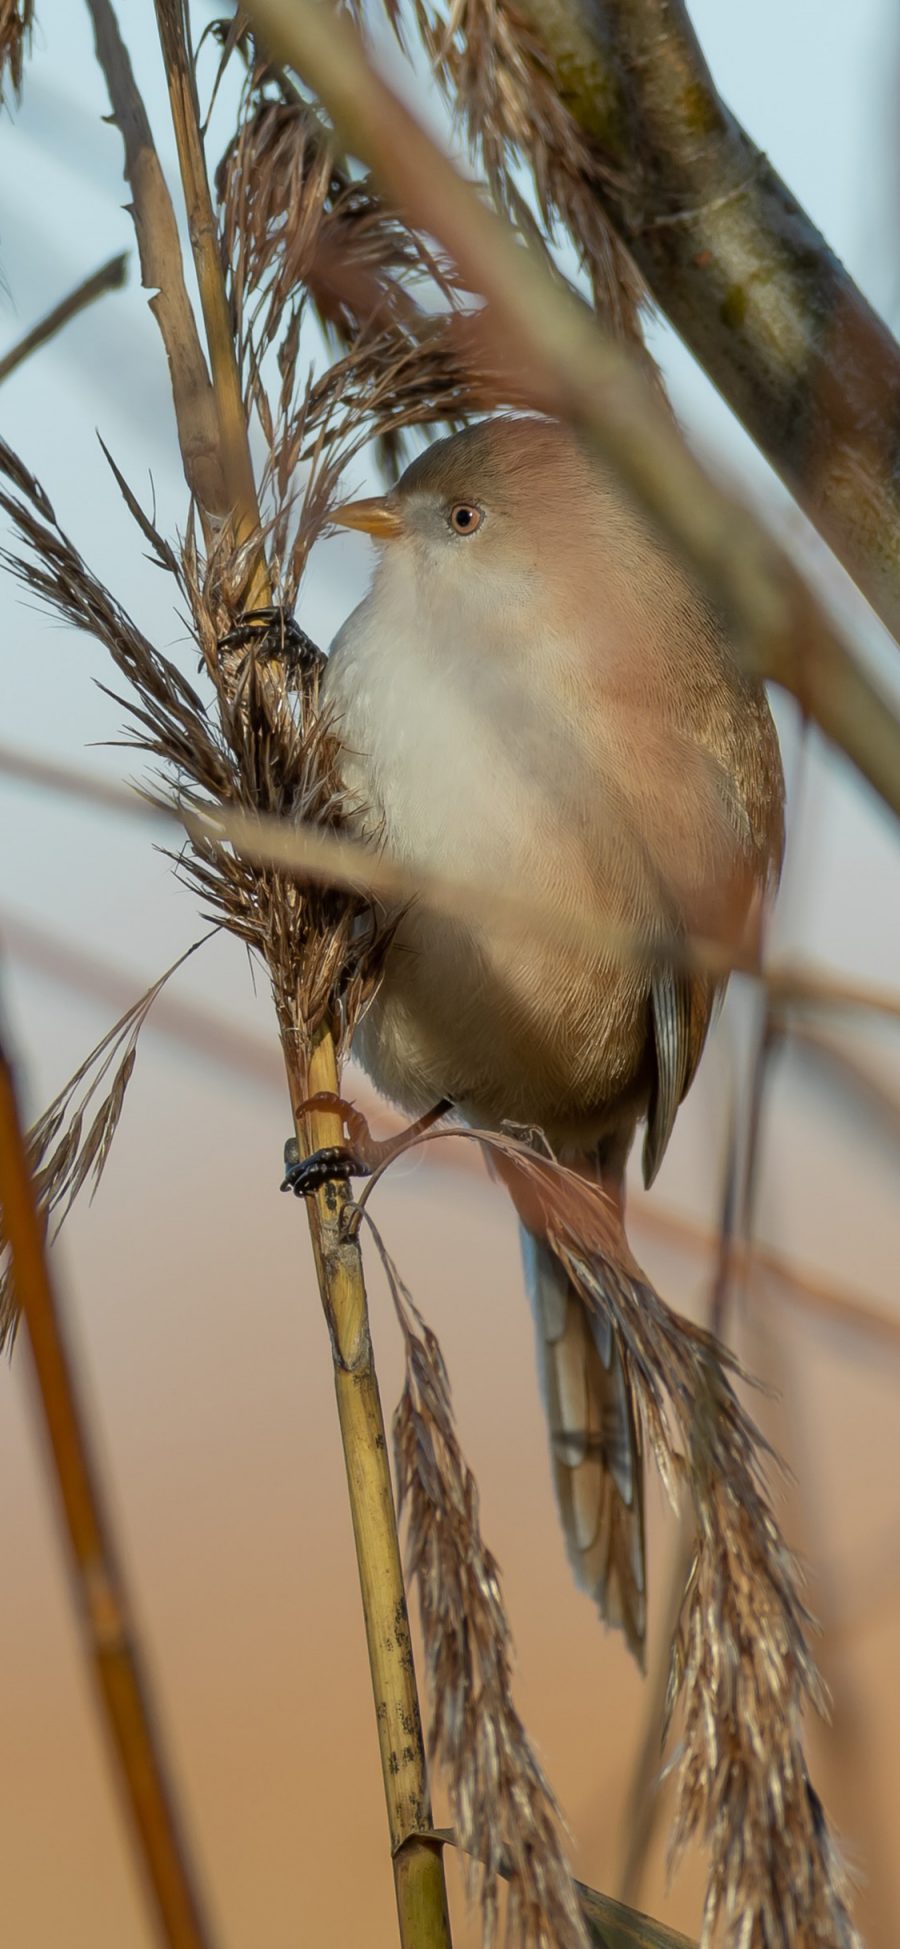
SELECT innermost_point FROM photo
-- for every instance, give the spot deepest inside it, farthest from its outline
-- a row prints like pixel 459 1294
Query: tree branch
pixel 741 272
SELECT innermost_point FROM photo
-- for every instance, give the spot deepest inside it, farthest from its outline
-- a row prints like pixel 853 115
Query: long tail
pixel 595 1443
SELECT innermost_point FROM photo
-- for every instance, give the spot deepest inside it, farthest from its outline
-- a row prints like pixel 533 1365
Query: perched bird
pixel 535 693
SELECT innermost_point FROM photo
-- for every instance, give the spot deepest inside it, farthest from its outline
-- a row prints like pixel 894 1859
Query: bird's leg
pixel 276 636
pixel 359 1157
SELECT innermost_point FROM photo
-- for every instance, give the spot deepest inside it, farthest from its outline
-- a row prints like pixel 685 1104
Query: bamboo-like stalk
pixel 101 1598
pixel 744 276
pixel 236 462
pixel 418 1867
pixel 417 1862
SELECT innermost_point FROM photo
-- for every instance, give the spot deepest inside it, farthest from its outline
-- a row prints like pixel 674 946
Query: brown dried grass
pixel 742 1671
pixel 500 82
pixel 506 1817
pixel 16 26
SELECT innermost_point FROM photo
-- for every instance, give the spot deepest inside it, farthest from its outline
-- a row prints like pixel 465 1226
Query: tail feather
pixel 595 1443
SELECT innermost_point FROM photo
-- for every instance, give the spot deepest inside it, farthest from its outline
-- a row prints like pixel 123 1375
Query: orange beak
pixel 374 517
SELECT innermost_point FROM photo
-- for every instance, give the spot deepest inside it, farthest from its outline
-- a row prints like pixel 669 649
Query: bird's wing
pixel 680 1010
pixel 594 1439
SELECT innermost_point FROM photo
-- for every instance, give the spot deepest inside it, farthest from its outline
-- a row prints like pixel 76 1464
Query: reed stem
pixel 417 1859
pixel 101 1599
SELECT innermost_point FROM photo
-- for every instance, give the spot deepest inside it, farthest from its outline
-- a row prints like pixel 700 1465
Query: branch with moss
pixel 754 290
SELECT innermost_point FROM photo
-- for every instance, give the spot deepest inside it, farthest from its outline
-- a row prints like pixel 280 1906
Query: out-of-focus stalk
pixel 101 1598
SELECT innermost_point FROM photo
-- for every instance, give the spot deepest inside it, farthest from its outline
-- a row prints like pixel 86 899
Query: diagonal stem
pixel 101 1598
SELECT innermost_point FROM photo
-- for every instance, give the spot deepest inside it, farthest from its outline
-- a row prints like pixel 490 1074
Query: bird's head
pixel 491 508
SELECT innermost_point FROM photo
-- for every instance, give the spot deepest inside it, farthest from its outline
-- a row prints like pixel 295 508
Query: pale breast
pixel 461 768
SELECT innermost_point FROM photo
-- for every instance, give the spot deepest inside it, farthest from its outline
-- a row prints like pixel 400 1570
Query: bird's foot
pixel 358 1157
pixel 276 637
pixel 529 1134
pixel 333 1163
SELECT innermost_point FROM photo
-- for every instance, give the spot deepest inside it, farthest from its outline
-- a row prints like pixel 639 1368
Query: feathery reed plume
pixel 742 1670
pixel 499 79
pixel 506 1817
pixel 265 749
pixel 16 24
pixel 305 239
pixel 63 1153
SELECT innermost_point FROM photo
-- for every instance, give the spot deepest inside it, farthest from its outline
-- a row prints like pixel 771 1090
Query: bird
pixel 537 693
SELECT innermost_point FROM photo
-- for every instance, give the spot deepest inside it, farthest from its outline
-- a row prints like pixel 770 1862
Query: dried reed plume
pixel 63 1151
pixel 16 24
pixel 506 1817
pixel 500 81
pixel 742 1670
pixel 265 748
pixel 303 238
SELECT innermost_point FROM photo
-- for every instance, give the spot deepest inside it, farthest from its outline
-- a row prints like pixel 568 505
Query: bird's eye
pixel 464 518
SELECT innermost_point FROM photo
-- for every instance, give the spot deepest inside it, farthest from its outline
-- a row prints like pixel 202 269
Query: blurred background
pixel 189 1281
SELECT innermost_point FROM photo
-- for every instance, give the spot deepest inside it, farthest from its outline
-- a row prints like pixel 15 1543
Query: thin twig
pixel 110 277
pixel 102 1601
pixel 746 279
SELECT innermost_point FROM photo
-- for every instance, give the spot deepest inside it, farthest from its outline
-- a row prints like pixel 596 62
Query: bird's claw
pixel 306 1175
pixel 360 1156
pixel 276 636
